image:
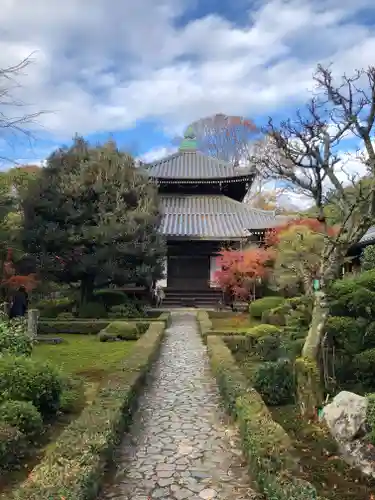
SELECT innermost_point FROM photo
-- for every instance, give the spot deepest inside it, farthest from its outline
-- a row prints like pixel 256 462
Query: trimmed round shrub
pixel 268 347
pixel 263 330
pixel 25 379
pixel 72 396
pixel 104 336
pixel 259 306
pixel 364 363
pixel 275 382
pixel 51 308
pixel 13 445
pixel 120 330
pixel 109 297
pixel 23 415
pixel 347 333
pixel 276 316
pixel 131 309
pixel 14 339
pixel 362 303
pixel 91 310
pixel 142 328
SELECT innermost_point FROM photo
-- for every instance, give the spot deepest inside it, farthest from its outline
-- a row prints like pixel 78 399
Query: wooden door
pixel 185 272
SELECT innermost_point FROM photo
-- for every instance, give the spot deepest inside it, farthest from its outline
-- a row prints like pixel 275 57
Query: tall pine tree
pixel 93 218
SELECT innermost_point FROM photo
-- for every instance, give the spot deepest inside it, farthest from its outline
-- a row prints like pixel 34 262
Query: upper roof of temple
pixel 188 165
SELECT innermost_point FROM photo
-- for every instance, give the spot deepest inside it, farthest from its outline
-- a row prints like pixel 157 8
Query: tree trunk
pixel 309 386
pixel 87 289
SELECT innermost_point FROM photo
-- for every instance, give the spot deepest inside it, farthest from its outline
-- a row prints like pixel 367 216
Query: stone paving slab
pixel 180 445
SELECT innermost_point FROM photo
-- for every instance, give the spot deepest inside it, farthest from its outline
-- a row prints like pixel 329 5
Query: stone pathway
pixel 180 446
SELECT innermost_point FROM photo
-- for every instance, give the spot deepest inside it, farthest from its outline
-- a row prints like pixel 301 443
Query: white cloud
pixel 102 69
pixel 156 154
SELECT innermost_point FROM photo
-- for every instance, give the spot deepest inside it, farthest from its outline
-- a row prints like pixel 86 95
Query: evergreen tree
pixel 93 218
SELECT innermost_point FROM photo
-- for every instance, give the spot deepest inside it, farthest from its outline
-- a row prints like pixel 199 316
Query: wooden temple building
pixel 202 202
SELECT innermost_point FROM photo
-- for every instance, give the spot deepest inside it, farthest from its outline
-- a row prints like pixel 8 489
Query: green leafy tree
pixel 93 218
pixel 297 258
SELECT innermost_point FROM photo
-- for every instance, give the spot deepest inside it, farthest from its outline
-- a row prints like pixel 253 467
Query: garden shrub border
pixel 90 326
pixel 267 447
pixel 73 468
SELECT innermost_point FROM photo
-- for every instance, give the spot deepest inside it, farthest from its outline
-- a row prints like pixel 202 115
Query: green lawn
pixel 84 355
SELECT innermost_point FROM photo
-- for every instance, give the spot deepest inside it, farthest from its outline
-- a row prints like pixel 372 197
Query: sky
pixel 140 72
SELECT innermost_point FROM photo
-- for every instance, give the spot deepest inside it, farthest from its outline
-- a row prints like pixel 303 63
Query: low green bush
pixel 25 379
pixel 72 396
pixel 364 363
pixel 13 446
pixel 275 382
pixel 51 308
pixel 129 309
pixel 23 415
pixel 263 329
pixel 259 306
pixel 298 317
pixel 104 336
pixel 276 316
pixel 14 339
pixel 267 347
pixel 353 296
pixel 92 310
pixel 84 327
pixel 240 345
pixel 74 466
pixel 266 445
pixel 346 333
pixel 123 330
pixel 110 297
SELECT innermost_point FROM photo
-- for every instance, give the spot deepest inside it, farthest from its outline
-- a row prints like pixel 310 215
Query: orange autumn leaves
pixel 240 270
pixel 11 280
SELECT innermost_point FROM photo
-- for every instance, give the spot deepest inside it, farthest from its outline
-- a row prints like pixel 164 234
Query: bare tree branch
pixel 14 126
pixel 306 152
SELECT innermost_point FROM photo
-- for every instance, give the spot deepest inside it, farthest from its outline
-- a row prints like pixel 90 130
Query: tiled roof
pixel 369 237
pixel 211 217
pixel 190 165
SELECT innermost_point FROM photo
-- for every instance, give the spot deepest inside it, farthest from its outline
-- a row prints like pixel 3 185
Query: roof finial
pixel 189 142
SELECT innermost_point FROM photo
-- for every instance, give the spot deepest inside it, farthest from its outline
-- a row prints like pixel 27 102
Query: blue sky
pixel 141 71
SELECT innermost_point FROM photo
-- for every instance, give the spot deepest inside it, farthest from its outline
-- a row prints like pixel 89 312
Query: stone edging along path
pixel 179 445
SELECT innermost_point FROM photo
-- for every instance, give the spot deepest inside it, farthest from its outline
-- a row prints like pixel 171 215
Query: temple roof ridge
pixel 193 164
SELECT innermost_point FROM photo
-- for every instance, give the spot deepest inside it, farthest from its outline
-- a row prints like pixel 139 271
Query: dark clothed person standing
pixel 19 304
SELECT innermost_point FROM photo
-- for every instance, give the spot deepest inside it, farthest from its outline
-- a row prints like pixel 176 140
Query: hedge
pixel 72 326
pixel 89 326
pixel 74 467
pixel 269 451
pixel 204 324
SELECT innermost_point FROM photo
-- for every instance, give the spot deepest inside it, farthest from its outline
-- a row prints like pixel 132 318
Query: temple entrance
pixel 188 273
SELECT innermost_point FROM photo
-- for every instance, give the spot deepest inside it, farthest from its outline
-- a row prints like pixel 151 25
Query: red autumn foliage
pixel 272 237
pixel 240 269
pixel 29 282
pixel 11 281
